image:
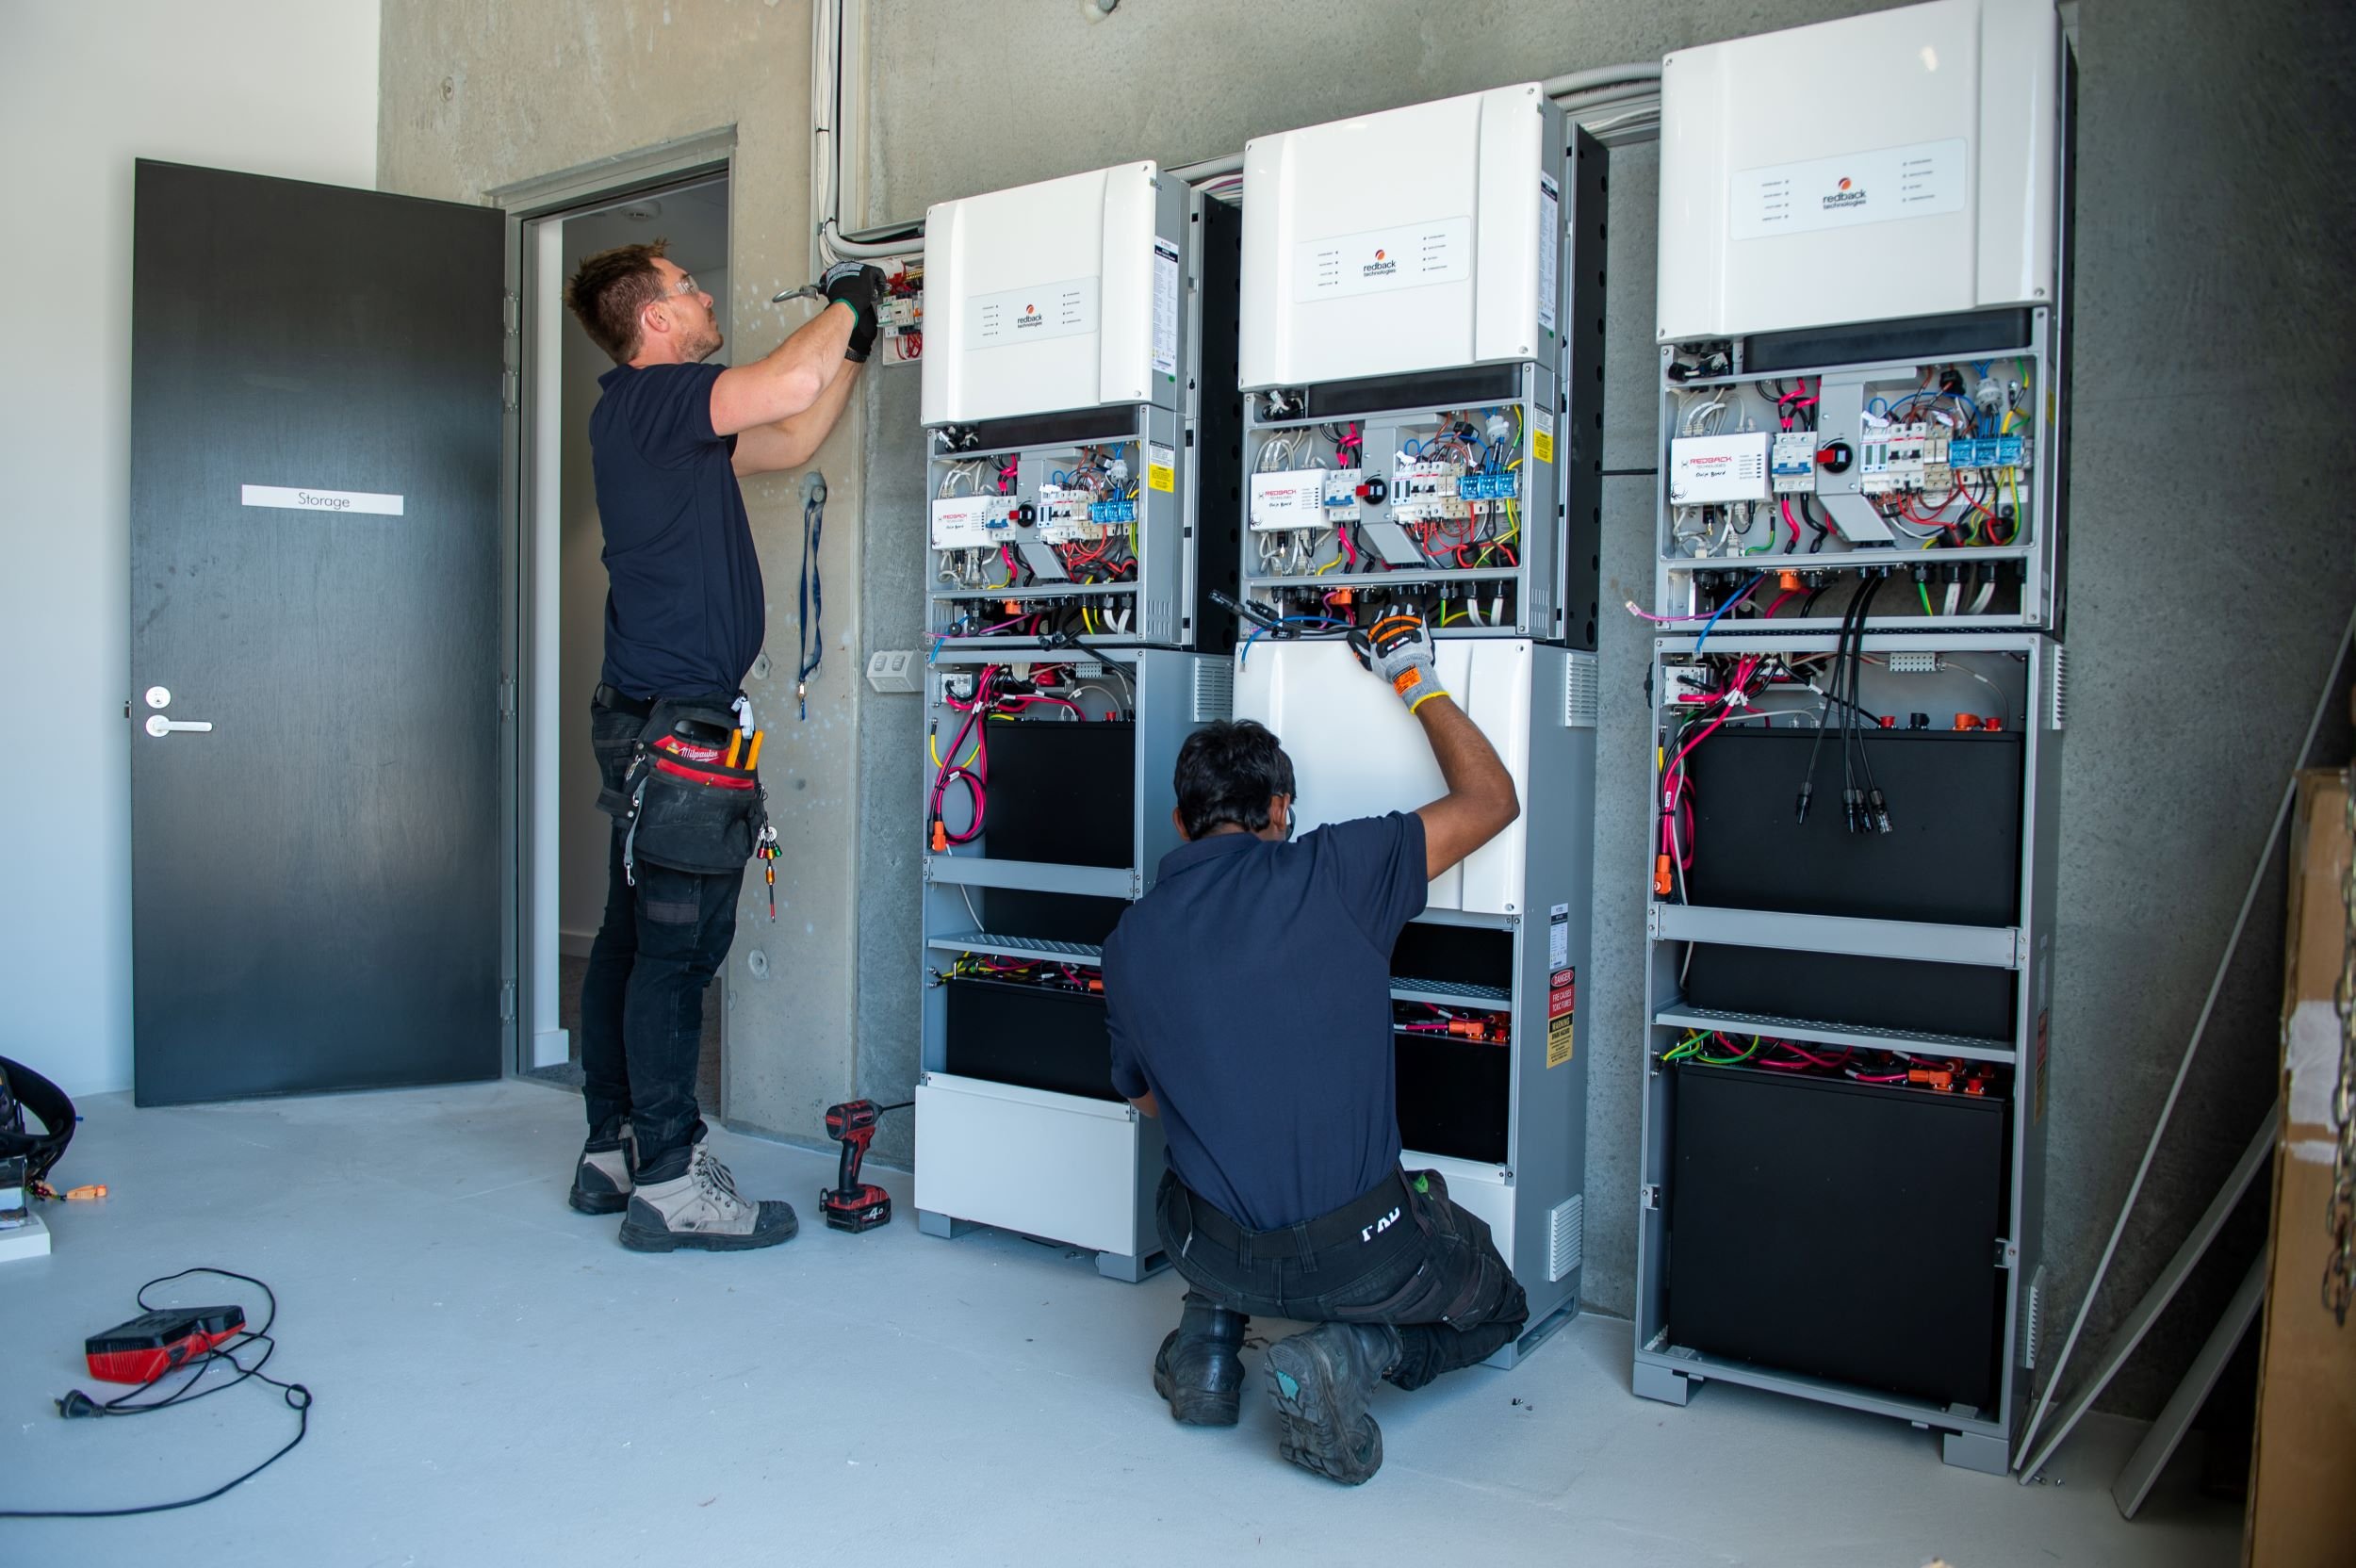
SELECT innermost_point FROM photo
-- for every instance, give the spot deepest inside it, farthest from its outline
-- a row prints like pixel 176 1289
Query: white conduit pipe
pixel 1626 89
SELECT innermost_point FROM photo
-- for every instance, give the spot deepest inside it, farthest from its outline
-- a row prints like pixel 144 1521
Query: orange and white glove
pixel 1398 647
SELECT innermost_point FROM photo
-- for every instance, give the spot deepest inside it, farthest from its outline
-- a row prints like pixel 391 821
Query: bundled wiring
pixel 193 1385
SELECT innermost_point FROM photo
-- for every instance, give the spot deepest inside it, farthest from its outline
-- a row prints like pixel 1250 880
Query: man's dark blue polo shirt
pixel 684 610
pixel 1250 990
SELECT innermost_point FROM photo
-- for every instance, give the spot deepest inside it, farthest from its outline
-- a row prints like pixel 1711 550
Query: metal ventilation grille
pixel 1582 692
pixel 1566 1235
pixel 1214 690
pixel 2033 1318
pixel 2058 682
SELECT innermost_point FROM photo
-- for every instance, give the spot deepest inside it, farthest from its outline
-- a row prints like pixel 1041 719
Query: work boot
pixel 1198 1369
pixel 607 1171
pixel 1319 1381
pixel 700 1209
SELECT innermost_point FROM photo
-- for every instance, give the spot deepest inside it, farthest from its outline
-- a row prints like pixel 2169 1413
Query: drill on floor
pixel 852 1204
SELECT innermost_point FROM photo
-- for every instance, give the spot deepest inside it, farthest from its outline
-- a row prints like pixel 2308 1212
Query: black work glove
pixel 861 286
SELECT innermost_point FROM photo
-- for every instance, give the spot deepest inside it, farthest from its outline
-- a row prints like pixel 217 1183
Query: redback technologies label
pixel 1031 315
pixel 1407 256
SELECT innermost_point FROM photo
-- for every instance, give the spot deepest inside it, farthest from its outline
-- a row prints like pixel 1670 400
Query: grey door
pixel 315 576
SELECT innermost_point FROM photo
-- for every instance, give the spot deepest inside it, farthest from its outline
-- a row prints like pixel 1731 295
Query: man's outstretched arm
pixel 1480 801
pixel 791 379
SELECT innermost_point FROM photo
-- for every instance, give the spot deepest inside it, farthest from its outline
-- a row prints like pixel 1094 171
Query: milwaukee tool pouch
pixel 688 808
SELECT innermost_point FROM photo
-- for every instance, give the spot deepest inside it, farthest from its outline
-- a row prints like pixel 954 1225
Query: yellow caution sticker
pixel 1542 437
pixel 1161 469
pixel 1562 1004
pixel 1557 1041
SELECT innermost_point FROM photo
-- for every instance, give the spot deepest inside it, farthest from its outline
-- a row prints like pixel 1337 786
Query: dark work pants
pixel 641 1007
pixel 1435 1275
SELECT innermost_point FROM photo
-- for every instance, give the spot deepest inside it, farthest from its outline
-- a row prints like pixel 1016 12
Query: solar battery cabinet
pixel 1422 321
pixel 1079 404
pixel 1859 703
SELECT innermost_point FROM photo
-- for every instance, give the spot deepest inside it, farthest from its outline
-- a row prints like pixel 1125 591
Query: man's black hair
pixel 1227 773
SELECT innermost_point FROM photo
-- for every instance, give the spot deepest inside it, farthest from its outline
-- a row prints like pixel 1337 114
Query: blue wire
pixel 1756 578
pixel 1245 657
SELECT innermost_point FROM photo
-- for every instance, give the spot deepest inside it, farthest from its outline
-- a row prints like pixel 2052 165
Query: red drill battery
pixel 153 1343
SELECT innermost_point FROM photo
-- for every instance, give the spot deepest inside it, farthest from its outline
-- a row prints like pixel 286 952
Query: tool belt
pixel 1383 1215
pixel 683 804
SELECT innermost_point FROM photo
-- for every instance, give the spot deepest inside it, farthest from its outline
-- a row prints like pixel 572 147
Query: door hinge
pixel 507 1002
pixel 1648 1195
pixel 507 700
pixel 511 314
pixel 2007 1254
pixel 509 383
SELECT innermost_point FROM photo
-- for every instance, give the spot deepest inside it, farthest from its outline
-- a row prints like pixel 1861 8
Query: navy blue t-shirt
pixel 1250 990
pixel 683 612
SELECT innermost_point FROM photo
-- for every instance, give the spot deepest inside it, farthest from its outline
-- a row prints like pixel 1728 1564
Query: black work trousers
pixel 1432 1271
pixel 642 1006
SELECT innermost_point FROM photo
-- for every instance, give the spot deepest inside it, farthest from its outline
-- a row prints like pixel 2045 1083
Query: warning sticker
pixel 1542 436
pixel 1161 469
pixel 1165 308
pixel 1550 247
pixel 1561 1008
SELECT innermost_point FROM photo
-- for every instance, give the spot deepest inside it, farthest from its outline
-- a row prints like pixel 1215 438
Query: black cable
pixel 296 1396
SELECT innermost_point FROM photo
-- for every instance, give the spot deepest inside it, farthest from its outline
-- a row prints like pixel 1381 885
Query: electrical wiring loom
pixel 1945 470
pixel 1428 505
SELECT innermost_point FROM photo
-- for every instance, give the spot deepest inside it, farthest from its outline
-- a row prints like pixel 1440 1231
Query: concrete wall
pixel 477 96
pixel 270 86
pixel 2207 586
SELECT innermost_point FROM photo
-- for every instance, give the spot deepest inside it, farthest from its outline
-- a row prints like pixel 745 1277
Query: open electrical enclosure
pixel 1863 335
pixel 1079 395
pixel 1420 436
pixel 1422 431
pixel 1864 329
pixel 1069 424
pixel 1849 978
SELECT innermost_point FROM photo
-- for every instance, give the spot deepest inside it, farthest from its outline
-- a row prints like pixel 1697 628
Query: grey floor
pixel 498 1383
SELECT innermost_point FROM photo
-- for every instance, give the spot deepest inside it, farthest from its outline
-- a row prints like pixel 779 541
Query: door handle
pixel 160 726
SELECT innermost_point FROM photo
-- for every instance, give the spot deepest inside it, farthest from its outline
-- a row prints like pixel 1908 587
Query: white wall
pixel 270 86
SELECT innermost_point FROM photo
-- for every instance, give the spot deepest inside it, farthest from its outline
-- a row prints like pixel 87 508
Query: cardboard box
pixel 2302 1505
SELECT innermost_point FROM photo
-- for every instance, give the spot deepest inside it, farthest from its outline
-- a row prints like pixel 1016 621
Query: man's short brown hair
pixel 610 290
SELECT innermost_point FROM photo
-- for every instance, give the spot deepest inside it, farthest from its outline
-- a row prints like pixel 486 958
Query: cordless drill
pixel 852 1204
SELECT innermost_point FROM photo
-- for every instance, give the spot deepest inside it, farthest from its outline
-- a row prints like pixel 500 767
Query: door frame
pixel 532 699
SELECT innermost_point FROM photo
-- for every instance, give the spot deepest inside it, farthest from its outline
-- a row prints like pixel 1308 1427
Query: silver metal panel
pixel 1989 945
pixel 1858 1036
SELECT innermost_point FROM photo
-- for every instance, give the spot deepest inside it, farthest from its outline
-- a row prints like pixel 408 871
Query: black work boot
pixel 607 1170
pixel 1198 1369
pixel 1319 1381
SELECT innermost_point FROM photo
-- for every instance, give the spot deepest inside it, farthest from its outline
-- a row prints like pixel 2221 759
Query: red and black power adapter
pixel 153 1343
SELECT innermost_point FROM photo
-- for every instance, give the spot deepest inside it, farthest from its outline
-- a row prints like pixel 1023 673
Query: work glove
pixel 1399 648
pixel 861 286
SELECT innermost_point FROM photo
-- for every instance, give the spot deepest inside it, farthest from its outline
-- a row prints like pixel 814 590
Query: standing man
pixel 1248 998
pixel 684 623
